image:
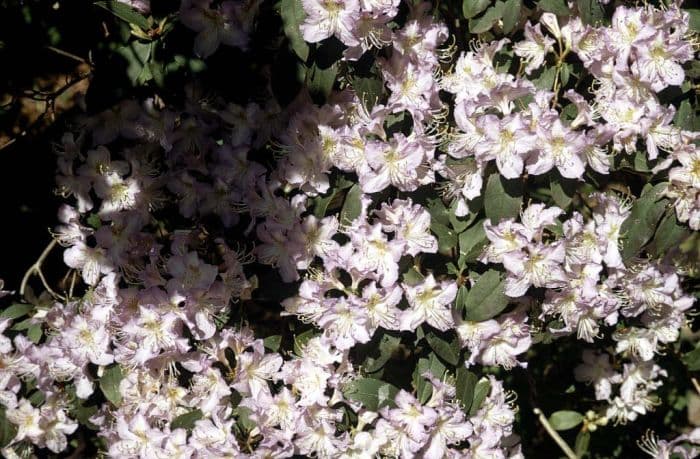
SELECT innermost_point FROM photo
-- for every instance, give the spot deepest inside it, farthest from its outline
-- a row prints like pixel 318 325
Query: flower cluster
pixel 390 219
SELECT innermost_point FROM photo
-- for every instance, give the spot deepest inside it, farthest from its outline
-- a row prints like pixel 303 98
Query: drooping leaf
pixel 471 243
pixel 369 90
pixel 557 7
pixel 582 441
pixel 481 391
pixel 562 189
pixel 592 12
pixel 186 421
pixel 273 342
pixel 565 419
pixel 449 352
pixel 352 207
pixel 388 344
pixel 490 17
pixel 292 14
pixel 109 383
pixel 372 393
pixel 465 384
pixel 640 225
pixel 125 13
pixel 503 198
pixel 424 388
pixel 669 235
pixel 16 310
pixel 320 81
pixel 8 430
pixel 471 8
pixel 486 299
pixel 511 15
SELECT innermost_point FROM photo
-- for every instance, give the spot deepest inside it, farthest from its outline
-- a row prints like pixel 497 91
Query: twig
pixel 553 433
pixel 36 269
pixel 696 385
pixel 67 54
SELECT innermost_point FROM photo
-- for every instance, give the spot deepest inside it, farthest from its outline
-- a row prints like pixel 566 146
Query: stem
pixel 553 433
pixel 36 269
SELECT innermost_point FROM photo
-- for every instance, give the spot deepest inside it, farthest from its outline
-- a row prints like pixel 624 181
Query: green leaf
pixel 301 339
pixel 545 80
pixel 562 189
pixel 557 7
pixel 125 13
pixel 369 90
pixel 187 420
pixel 352 207
pixel 692 359
pixel 8 430
pixel 461 300
pixel 23 325
pixel 273 342
pixel 16 310
pixel 471 243
pixel 640 225
pixel 511 15
pixel 471 8
pixel 412 277
pixel 372 393
pixel 424 388
pixel 582 440
pixel 503 198
pixel 465 384
pixel 446 236
pixel 481 391
pixel 34 333
pixel 486 298
pixel 694 20
pixel 449 352
pixel 685 116
pixel 388 344
pixel 292 17
pixel 321 80
pixel 565 420
pixel 94 221
pixel 564 73
pixel 592 12
pixel 109 383
pixel 669 235
pixel 137 55
pixel 490 17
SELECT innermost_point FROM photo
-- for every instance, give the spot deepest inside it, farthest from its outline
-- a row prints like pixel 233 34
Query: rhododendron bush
pixel 372 228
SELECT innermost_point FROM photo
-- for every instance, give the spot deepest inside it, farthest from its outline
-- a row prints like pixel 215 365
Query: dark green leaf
pixel 565 420
pixel 562 189
pixel 8 431
pixel 557 7
pixel 486 298
pixel 465 384
pixel 490 17
pixel 461 300
pixel 34 333
pixel 446 351
pixel 669 235
pixel 388 344
pixel 591 11
pixel 292 16
pixel 471 243
pixel 692 359
pixel 16 310
pixel 301 339
pixel 424 388
pixel 582 440
pixel 369 90
pixel 503 198
pixel 352 207
pixel 481 391
pixel 372 393
pixel 641 224
pixel 471 8
pixel 125 13
pixel 511 15
pixel 694 20
pixel 321 81
pixel 109 383
pixel 685 116
pixel 564 74
pixel 446 236
pixel 94 221
pixel 545 80
pixel 187 420
pixel 273 342
pixel 412 277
